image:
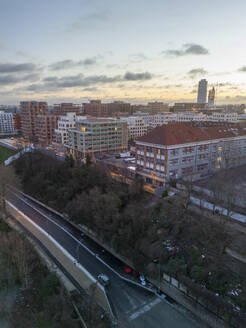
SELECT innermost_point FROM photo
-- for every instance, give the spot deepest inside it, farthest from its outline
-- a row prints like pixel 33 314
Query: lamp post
pixel 77 249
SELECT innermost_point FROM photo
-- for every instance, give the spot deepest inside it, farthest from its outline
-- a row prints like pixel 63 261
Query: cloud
pixel 79 80
pixel 242 69
pixel 68 63
pixel 196 72
pixel 186 50
pixel 16 68
pixel 8 79
pixel 92 89
pixel 129 76
pixel 139 57
pixel 91 21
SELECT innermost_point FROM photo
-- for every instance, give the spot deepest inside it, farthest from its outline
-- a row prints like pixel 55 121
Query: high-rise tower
pixel 202 92
pixel 211 97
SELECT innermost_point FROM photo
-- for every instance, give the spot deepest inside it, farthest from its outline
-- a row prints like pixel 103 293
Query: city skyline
pixel 75 51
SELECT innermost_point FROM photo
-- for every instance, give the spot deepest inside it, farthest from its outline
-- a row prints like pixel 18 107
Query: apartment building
pixel 136 126
pixel 153 121
pixel 17 121
pixel 157 107
pixel 6 123
pixel 29 110
pixel 96 108
pixel 96 135
pixel 45 128
pixel 64 124
pixel 185 149
pixel 64 108
pixel 118 108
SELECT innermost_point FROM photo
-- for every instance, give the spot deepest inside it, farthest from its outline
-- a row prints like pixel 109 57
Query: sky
pixel 132 50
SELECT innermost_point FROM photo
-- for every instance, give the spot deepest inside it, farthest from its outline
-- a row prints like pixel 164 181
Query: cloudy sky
pixel 134 50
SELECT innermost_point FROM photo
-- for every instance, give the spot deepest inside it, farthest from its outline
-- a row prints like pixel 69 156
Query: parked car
pixel 127 269
pixel 103 279
pixel 142 280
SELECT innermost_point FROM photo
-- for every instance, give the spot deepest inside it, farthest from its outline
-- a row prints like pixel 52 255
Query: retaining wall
pixel 77 271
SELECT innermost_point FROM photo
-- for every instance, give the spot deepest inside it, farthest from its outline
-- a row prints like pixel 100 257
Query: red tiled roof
pixel 182 133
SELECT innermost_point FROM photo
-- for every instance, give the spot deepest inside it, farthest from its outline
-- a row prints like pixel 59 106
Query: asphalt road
pixel 134 306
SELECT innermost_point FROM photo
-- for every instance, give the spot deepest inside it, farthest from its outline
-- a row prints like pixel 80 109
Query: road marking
pixel 144 309
pixel 131 301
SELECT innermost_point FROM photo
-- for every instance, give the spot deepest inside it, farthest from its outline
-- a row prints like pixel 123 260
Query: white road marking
pixel 130 299
pixel 144 309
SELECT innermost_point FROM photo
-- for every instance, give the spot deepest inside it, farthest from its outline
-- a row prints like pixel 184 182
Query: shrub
pixel 49 285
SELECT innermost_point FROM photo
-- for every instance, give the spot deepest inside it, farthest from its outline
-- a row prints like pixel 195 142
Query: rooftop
pixel 182 133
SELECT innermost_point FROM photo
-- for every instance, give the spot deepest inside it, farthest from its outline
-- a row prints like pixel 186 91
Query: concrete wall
pixel 79 273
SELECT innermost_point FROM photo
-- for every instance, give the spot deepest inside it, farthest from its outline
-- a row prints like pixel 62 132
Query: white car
pixel 142 280
pixel 103 279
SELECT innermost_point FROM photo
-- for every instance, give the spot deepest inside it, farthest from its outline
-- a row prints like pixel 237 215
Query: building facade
pixel 181 149
pixel 118 108
pixel 157 107
pixel 211 97
pixel 136 126
pixel 6 123
pixel 64 124
pixel 96 135
pixel 64 108
pixel 29 110
pixel 96 108
pixel 202 92
pixel 45 128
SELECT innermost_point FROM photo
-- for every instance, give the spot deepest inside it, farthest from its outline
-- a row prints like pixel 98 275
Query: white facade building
pixel 136 126
pixel 66 122
pixel 6 122
pixel 181 149
pixel 153 121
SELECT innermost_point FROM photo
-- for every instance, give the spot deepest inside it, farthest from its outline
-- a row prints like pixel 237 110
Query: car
pixel 103 279
pixel 142 280
pixel 127 269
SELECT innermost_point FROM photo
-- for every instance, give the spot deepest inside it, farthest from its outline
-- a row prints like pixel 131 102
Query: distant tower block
pixel 211 97
pixel 202 92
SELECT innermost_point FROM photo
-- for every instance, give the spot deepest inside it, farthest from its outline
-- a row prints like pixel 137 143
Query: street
pixel 133 305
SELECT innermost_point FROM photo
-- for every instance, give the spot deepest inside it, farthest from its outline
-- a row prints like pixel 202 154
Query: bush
pixel 198 273
pixel 176 266
pixel 172 182
pixel 164 194
pixel 49 285
pixel 4 226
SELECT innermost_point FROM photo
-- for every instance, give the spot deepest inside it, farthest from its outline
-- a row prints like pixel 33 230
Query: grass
pixel 5 153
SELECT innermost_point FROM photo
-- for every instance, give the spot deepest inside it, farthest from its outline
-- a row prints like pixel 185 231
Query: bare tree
pixel 7 178
pixel 188 183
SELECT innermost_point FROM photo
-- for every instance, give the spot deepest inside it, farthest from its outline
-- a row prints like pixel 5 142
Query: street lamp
pixel 77 249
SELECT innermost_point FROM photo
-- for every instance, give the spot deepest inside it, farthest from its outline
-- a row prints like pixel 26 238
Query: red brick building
pixel 96 108
pixel 29 110
pixel 64 108
pixel 45 128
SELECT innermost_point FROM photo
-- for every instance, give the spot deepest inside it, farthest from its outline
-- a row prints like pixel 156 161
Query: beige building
pixel 184 149
pixel 157 107
pixel 93 135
